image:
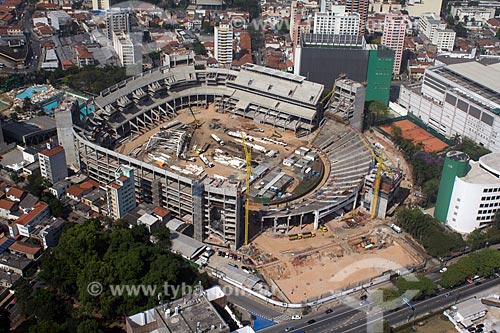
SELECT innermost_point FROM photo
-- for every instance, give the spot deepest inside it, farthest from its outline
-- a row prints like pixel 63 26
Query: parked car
pixel 296 317
pixel 311 321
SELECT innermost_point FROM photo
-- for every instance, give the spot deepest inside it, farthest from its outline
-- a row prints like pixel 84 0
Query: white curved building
pixel 476 196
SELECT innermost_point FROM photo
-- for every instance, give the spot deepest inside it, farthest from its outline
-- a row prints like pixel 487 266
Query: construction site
pixel 342 254
pixel 202 141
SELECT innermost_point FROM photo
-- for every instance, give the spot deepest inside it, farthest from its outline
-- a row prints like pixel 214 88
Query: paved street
pixel 344 319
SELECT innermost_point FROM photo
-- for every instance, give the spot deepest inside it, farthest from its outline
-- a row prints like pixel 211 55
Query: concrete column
pixel 316 219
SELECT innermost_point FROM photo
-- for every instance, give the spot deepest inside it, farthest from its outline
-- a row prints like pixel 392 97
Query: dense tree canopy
pixel 112 256
pixel 483 263
pixel 434 237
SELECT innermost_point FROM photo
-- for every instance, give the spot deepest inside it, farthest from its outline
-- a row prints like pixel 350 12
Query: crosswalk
pixel 281 318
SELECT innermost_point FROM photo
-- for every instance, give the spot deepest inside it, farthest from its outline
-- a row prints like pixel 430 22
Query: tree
pixel 57 207
pixel 88 326
pixel 430 190
pixel 199 48
pixel 162 237
pixel 27 104
pixel 483 263
pixel 36 185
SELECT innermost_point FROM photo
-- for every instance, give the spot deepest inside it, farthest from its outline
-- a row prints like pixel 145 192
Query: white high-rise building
pixel 429 23
pixel 476 196
pixel 394 37
pixel 125 49
pixel 52 163
pixel 121 193
pixel 223 40
pixel 100 4
pixel 336 21
pixel 117 21
pixel 444 39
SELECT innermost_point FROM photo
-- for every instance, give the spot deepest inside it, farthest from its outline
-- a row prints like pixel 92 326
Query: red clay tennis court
pixel 417 134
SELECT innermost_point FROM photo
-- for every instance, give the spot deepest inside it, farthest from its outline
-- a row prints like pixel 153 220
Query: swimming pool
pixel 51 106
pixel 28 92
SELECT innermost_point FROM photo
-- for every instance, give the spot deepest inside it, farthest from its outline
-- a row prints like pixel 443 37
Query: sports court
pixel 417 134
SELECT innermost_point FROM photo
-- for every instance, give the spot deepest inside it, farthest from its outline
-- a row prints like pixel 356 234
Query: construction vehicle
pixel 276 135
pixel 217 139
pixel 294 237
pixel 376 186
pixel 308 234
pixel 323 228
pixel 196 122
pixel 248 159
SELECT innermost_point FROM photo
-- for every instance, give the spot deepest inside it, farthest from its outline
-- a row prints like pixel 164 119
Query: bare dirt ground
pixel 307 268
pixel 226 121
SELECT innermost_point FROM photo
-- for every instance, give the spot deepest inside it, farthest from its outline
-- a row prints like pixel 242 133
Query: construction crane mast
pixel 376 185
pixel 248 159
pixel 197 123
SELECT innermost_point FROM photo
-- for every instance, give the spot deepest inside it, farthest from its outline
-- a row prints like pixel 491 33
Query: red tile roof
pixel 37 209
pixel 26 248
pixel 52 152
pixel 6 204
pixel 15 192
pixel 160 211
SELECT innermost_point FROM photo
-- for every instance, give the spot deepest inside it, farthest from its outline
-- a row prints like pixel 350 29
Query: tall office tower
pixel 360 7
pixel 121 193
pixel 100 4
pixel 223 39
pixel 53 163
pixel 117 21
pixel 336 21
pixel 394 37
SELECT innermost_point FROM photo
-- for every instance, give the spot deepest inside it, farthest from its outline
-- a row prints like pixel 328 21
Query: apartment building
pixel 117 21
pixel 125 49
pixel 336 21
pixel 223 39
pixel 121 193
pixel 100 4
pixel 53 163
pixel 444 39
pixel 394 37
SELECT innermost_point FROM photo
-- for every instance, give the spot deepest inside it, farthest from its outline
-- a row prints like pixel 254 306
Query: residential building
pixel 15 194
pixel 394 37
pixel 336 21
pixel 223 39
pixel 24 225
pixel 125 49
pixel 358 6
pixel 121 193
pixel 50 233
pixel 117 21
pixel 473 15
pixel 461 99
pixel 18 264
pixel 429 23
pixel 60 20
pixel 83 56
pixel 469 192
pixel 100 4
pixel 444 39
pixel 349 55
pixel 53 163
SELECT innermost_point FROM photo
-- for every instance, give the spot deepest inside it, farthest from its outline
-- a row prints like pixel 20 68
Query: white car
pixel 442 270
pixel 296 317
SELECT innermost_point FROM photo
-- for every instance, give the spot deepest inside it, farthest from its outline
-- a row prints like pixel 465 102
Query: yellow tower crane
pixel 376 185
pixel 248 159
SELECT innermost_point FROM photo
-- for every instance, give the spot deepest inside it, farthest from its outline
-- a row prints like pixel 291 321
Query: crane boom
pixel 248 159
pixel 376 185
